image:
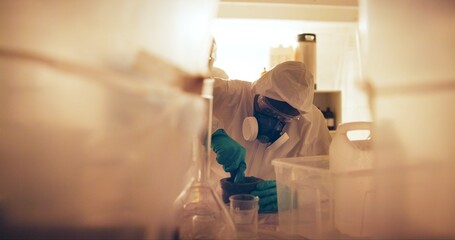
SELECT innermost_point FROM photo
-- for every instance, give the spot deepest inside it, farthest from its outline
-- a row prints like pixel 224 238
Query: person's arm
pixel 227 96
pixel 230 154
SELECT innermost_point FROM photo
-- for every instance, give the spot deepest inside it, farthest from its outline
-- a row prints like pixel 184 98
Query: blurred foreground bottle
pixel 201 214
pixel 91 113
pixel 411 80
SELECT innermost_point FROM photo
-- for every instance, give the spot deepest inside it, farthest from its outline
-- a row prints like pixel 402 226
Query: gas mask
pixel 269 121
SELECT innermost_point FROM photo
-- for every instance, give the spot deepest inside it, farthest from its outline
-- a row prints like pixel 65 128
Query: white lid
pixel 275 145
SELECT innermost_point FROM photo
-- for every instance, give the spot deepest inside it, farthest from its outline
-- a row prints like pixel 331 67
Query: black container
pixel 229 188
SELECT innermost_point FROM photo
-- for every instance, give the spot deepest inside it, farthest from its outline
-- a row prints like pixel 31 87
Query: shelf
pixel 329 98
pixel 333 11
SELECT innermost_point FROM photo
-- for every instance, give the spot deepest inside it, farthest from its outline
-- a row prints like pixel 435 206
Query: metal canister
pixel 306 53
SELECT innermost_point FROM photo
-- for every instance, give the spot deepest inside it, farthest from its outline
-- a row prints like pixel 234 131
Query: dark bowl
pixel 229 188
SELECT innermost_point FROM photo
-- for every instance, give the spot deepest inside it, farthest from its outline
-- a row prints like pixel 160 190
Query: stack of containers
pixel 328 196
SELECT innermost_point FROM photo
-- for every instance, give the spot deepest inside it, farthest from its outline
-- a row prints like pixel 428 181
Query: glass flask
pixel 201 214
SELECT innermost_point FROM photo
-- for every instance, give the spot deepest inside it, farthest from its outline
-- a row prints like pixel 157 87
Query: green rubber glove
pixel 266 191
pixel 230 154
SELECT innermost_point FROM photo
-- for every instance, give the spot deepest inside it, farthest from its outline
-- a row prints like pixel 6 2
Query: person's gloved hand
pixel 266 191
pixel 230 154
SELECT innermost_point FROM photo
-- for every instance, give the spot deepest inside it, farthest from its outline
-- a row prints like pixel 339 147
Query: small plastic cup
pixel 244 213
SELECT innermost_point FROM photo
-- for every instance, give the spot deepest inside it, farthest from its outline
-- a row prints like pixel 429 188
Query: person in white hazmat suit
pixel 273 117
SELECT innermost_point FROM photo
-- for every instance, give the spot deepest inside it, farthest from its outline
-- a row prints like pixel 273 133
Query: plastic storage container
pixel 305 201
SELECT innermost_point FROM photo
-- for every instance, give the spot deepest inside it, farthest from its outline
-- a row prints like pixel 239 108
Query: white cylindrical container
pixel 306 53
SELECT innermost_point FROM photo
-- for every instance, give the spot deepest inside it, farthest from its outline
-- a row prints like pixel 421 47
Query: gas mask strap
pixel 279 142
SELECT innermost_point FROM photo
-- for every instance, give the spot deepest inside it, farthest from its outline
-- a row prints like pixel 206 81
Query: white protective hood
pixel 294 85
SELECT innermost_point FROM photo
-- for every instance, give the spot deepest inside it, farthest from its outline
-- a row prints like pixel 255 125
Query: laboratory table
pixel 268 228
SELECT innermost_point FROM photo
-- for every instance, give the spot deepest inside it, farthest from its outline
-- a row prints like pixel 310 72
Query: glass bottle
pixel 201 214
pixel 330 118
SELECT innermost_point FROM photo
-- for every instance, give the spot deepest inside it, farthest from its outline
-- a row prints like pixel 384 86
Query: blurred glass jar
pixel 95 128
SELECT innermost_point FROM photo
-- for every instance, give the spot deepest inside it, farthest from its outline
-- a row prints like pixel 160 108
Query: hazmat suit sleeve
pixel 227 95
pixel 226 99
pixel 317 137
pixel 218 73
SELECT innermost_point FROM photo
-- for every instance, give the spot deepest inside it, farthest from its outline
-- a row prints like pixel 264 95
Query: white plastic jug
pixel 346 154
pixel 351 162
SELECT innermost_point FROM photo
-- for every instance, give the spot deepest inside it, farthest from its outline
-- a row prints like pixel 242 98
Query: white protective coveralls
pixel 218 73
pixel 289 82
